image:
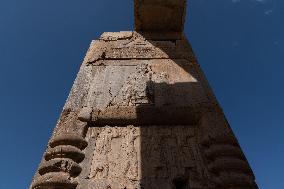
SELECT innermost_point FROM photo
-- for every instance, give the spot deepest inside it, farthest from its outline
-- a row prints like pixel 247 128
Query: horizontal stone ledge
pixel 54 181
pixel 165 52
pixel 60 165
pixel 148 35
pixel 69 139
pixel 149 46
pixel 137 62
pixel 161 36
pixel 146 115
pixel 114 36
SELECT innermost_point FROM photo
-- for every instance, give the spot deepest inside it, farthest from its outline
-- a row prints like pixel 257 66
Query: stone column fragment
pixel 141 115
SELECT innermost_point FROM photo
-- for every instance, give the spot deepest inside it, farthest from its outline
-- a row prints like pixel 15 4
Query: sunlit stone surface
pixel 141 115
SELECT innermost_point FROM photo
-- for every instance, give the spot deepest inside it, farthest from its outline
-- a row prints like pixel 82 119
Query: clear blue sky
pixel 239 44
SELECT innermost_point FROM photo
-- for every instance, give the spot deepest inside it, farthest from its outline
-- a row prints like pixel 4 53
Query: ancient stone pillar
pixel 141 115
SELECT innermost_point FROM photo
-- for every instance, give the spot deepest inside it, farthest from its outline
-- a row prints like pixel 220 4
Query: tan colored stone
pixel 141 114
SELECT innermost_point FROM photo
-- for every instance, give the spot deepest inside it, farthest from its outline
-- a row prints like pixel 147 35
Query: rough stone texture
pixel 141 115
pixel 151 156
pixel 169 15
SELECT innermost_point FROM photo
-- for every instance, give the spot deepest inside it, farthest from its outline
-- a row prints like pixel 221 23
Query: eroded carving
pixel 150 116
pixel 224 158
pixel 144 156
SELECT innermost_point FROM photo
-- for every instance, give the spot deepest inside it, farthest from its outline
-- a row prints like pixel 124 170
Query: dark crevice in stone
pixel 180 183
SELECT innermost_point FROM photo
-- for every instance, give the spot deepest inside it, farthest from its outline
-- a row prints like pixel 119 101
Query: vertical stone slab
pixel 159 15
pixel 141 115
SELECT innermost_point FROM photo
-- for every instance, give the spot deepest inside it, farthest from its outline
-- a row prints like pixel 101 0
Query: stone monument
pixel 141 115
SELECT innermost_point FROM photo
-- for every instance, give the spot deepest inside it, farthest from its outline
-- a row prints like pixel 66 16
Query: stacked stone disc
pixel 61 163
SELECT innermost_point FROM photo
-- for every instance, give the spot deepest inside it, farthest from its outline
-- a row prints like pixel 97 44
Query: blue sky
pixel 239 44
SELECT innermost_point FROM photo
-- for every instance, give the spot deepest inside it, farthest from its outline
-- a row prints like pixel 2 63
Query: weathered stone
pixel 60 165
pixel 141 114
pixel 229 164
pixel 224 150
pixel 54 181
pixel 114 36
pixel 70 152
pixel 122 155
pixel 159 15
pixel 85 114
pixel 69 139
pixel 145 115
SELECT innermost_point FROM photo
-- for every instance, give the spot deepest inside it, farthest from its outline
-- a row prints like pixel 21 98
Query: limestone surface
pixel 141 115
